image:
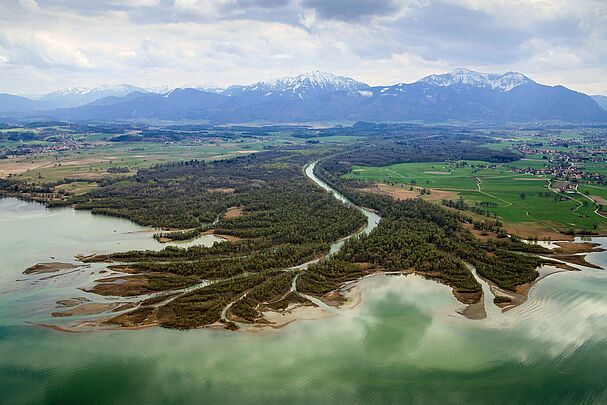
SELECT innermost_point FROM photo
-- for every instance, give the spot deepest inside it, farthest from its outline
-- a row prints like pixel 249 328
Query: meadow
pixel 523 202
pixel 119 158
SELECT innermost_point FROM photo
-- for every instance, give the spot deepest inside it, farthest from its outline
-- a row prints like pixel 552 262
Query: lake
pixel 404 342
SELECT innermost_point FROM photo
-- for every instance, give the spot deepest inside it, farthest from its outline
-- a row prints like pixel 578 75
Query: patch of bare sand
pixel 598 199
pixel 12 166
pixel 76 187
pixel 89 175
pixel 225 190
pixel 89 308
pixel 433 172
pixel 475 311
pixel 233 212
pixel 401 193
pixel 50 267
pixel 293 313
pixel 84 161
pixel 72 302
pixel 483 236
pixel 579 259
pixel 574 253
pixel 574 248
pixel 229 238
pixel 531 230
pixel 123 286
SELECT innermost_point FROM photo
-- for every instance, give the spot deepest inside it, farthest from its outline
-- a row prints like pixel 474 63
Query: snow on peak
pixel 101 91
pixel 461 76
pixel 308 82
pixel 201 87
pixel 70 91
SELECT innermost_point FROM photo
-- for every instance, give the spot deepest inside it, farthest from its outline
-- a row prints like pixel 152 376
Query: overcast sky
pixel 50 44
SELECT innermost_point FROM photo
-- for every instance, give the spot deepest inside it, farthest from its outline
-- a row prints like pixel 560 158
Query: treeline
pixel 426 148
pixel 461 205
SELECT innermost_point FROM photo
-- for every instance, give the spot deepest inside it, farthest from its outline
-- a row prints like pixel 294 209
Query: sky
pixel 46 45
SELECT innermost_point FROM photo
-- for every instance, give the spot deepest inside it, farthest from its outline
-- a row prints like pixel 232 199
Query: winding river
pixel 372 222
pixel 403 343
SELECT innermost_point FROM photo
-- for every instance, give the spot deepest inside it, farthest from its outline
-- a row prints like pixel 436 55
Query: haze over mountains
pixel 601 100
pixel 461 95
pixel 76 97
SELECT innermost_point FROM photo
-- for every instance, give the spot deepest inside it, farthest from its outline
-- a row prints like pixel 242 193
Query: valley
pixel 288 244
pixel 303 202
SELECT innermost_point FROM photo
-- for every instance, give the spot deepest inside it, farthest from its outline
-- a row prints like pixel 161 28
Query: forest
pixel 283 220
pixel 286 220
pixel 418 236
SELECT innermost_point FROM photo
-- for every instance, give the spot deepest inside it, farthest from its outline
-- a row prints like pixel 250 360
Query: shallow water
pixel 404 343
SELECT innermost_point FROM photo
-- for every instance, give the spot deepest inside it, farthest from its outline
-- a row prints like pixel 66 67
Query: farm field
pixel 90 164
pixel 595 167
pixel 523 202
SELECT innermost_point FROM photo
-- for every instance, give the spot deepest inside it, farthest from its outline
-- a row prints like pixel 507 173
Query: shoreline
pixel 351 294
pixel 341 298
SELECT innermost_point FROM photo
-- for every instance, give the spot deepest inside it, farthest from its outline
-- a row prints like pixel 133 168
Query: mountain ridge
pixel 496 81
pixel 79 96
pixel 463 95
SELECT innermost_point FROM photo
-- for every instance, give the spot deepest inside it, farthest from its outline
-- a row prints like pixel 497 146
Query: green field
pixel 519 198
pixel 595 167
pixel 116 159
pixel 532 162
pixel 94 163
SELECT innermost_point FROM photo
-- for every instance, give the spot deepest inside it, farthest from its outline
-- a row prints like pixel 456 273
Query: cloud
pixel 354 10
pixel 218 9
pixel 97 5
pixel 29 4
pixel 169 42
pixel 41 50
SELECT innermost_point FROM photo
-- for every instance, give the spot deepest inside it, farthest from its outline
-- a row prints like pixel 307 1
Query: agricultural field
pixel 595 167
pixel 51 154
pixel 124 158
pixel 524 202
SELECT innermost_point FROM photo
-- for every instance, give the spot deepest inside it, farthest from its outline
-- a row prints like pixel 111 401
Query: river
pixel 404 342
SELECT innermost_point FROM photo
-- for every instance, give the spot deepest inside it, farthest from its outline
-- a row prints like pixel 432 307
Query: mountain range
pixel 462 95
pixel 76 97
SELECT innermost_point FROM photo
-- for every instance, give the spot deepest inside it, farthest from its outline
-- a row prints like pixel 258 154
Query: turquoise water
pixel 404 343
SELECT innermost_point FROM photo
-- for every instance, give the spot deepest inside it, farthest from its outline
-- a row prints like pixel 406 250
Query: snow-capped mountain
pixel 77 96
pixel 160 89
pixel 196 86
pixel 304 85
pixel 461 95
pixel 495 81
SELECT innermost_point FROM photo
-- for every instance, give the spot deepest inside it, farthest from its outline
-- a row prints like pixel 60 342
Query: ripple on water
pixel 401 344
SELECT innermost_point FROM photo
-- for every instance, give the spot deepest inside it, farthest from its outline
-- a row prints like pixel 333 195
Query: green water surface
pixel 405 342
